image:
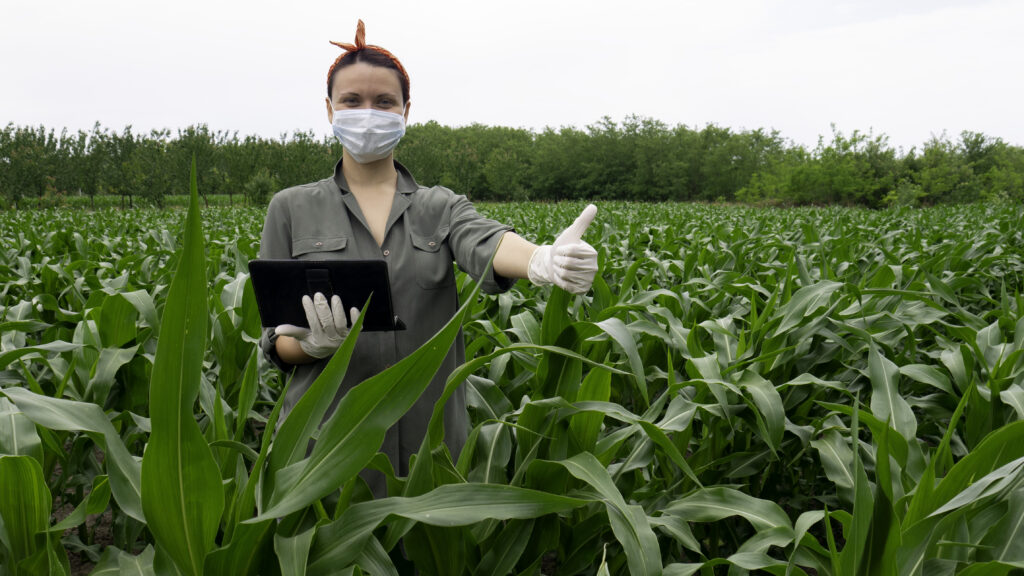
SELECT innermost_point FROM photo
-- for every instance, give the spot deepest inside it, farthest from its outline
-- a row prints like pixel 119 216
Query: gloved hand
pixel 569 263
pixel 327 326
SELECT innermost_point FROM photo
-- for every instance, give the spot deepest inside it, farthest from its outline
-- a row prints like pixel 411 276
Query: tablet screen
pixel 279 286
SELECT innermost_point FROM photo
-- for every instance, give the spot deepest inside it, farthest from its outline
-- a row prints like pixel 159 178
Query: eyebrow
pixel 391 95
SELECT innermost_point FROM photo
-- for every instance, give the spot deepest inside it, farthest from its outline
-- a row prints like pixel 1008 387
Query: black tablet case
pixel 280 284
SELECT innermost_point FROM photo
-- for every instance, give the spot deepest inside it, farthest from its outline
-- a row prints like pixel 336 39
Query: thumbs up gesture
pixel 569 263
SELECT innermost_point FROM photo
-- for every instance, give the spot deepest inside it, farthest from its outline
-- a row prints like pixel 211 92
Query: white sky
pixel 905 68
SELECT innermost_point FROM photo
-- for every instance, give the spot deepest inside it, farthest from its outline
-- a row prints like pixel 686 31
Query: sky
pixel 907 69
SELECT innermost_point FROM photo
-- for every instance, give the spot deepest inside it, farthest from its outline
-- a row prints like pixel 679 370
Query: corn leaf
pixel 181 485
pixel 629 522
pixel 24 509
pixel 340 542
pixel 886 402
pixel 57 414
pixel 18 436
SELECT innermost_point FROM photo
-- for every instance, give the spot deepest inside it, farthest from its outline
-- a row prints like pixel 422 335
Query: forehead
pixel 366 79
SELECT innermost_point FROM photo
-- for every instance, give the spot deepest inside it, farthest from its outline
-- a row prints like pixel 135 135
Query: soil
pixel 99 526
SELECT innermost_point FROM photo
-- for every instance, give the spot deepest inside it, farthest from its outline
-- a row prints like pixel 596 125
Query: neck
pixel 370 174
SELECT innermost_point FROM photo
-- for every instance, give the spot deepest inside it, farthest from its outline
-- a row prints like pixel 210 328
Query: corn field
pixel 827 391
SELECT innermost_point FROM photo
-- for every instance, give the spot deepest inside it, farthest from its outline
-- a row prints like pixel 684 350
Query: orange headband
pixel 362 45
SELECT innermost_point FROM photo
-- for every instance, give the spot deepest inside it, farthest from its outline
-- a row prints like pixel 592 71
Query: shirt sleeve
pixel 276 240
pixel 268 345
pixel 473 240
pixel 275 243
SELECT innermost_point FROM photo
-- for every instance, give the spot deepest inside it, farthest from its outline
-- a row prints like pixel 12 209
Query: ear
pixel 330 111
pixel 408 103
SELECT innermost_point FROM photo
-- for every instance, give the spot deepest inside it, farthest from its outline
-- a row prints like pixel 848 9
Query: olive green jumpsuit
pixel 428 229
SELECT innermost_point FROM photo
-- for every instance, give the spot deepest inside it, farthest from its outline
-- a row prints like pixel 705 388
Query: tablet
pixel 280 285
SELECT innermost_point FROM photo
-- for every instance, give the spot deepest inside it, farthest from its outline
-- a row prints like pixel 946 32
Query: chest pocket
pixel 319 248
pixel 432 259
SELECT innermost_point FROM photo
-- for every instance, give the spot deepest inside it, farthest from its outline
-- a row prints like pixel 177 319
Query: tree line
pixel 639 159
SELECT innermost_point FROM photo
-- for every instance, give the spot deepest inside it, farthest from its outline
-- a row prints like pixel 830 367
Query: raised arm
pixel 569 263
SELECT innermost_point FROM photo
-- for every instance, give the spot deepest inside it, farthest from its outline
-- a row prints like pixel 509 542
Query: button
pixel 318 244
pixel 431 243
pixel 387 252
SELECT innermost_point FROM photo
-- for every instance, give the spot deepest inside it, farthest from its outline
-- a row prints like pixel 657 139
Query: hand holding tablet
pixel 281 285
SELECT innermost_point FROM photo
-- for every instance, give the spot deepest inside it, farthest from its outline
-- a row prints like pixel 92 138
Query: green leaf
pixel 340 542
pixel 804 303
pixel 249 454
pixel 58 414
pixel 886 402
pixel 800 528
pixel 56 346
pixel 994 568
pixel 374 560
pixel 248 391
pixel 116 321
pixel 248 553
pixel 18 436
pixel 769 409
pixel 835 456
pixel 677 528
pixel 145 306
pixel 1013 396
pixel 661 439
pixel 141 565
pixel 994 482
pixel 27 326
pixel 1005 541
pixel 855 555
pixel 293 552
pixel 718 502
pixel 508 548
pixel 24 507
pixel 997 449
pixel 181 485
pixel 95 502
pixel 621 335
pixel 629 522
pixel 110 361
pixel 494 447
pixel 930 375
pixel 585 426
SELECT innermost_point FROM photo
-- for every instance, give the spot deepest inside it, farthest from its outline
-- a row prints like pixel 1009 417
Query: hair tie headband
pixel 359 46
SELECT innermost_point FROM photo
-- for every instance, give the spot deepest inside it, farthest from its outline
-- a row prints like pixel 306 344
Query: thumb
pixel 292 330
pixel 574 233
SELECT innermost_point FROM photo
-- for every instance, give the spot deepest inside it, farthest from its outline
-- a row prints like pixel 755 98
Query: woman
pixel 372 208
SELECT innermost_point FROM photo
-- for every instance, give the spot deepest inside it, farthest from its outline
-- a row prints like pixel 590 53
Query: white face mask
pixel 368 134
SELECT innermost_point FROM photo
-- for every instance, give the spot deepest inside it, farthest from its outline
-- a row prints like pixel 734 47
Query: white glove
pixel 327 326
pixel 569 263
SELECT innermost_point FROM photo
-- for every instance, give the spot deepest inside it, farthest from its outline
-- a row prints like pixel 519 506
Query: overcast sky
pixel 908 69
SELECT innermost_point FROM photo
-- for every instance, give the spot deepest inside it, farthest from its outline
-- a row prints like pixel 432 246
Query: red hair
pixel 363 52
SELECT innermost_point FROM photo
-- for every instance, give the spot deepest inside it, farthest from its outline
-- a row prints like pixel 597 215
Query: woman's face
pixel 363 85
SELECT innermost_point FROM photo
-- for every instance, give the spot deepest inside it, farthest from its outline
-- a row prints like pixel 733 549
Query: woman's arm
pixel 569 263
pixel 512 259
pixel 288 349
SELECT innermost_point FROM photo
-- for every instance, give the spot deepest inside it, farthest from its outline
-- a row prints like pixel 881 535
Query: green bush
pixel 260 187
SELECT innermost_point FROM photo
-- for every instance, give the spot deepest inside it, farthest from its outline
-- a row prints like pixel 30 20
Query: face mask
pixel 368 134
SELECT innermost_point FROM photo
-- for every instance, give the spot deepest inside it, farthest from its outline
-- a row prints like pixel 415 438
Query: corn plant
pixel 812 391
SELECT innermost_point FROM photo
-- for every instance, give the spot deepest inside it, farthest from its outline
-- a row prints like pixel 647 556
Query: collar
pixel 406 183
